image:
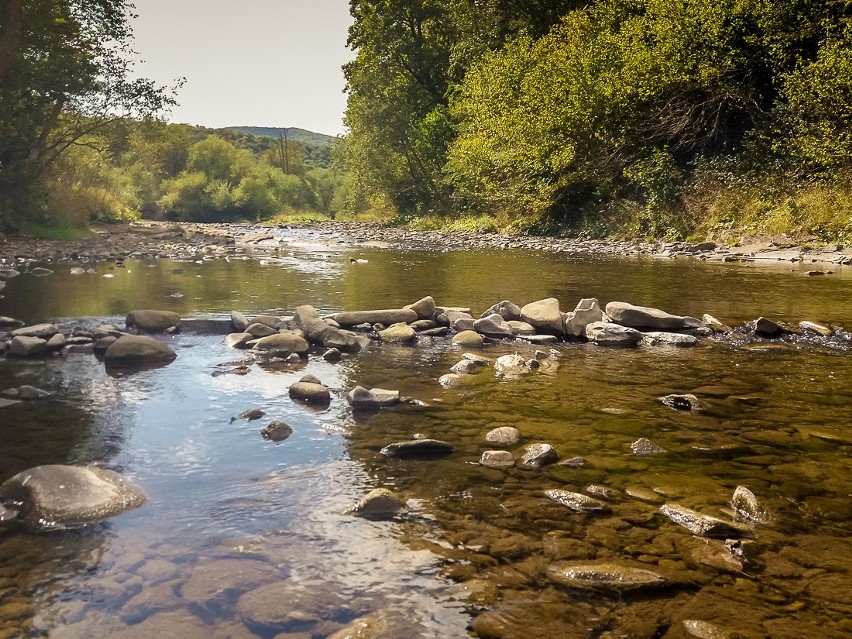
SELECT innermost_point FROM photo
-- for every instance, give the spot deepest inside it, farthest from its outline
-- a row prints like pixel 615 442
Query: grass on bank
pixel 58 233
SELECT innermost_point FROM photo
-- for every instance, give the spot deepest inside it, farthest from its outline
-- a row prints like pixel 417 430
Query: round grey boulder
pixel 282 344
pixel 379 503
pixel 152 321
pixel 398 334
pixel 138 350
pixel 468 339
pixel 57 496
pixel 307 390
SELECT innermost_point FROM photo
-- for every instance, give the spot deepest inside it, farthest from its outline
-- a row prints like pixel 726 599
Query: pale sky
pixel 248 62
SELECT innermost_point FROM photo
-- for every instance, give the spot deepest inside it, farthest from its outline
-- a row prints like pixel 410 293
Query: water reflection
pixel 232 519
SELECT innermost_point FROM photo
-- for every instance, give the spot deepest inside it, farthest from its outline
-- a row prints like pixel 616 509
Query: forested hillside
pixel 649 117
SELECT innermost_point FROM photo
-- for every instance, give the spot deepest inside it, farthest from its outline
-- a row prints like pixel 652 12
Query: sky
pixel 248 62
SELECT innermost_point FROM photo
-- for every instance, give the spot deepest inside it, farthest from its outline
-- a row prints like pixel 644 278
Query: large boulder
pixel 42 331
pixel 587 311
pixel 56 496
pixel 545 316
pixel 133 350
pixel 151 321
pixel 425 308
pixel 21 346
pixel 384 316
pixel 282 344
pixel 644 317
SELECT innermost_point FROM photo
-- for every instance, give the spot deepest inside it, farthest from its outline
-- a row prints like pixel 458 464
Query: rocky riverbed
pixel 141 240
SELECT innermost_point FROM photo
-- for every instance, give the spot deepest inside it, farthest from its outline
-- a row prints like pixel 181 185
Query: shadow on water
pixel 236 525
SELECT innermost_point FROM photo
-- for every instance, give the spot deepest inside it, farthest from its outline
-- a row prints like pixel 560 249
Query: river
pixel 242 537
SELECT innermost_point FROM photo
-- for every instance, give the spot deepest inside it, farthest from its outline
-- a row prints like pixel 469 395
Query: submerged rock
pixel 669 339
pixel 251 414
pixel 576 501
pixel 644 447
pixel 604 576
pixel 681 402
pixel 704 630
pixel 497 459
pixel 277 431
pixel 511 366
pixel 814 328
pixel 379 503
pixel 417 448
pixel 57 496
pixel 507 435
pixel 748 508
pixel 702 525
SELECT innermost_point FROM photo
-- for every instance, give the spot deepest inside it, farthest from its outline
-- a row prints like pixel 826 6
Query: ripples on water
pixel 232 518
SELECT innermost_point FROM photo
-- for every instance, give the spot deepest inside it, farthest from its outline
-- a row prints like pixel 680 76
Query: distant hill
pixel 293 133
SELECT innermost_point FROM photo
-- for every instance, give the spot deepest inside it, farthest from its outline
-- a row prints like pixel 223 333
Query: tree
pixel 64 74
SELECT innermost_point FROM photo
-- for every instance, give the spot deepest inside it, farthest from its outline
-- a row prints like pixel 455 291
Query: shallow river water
pixel 241 537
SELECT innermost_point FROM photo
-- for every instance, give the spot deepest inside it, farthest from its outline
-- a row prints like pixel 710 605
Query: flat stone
pixel 152 321
pixel 497 459
pixel 132 350
pixel 657 338
pixel 43 331
pixel 57 496
pixel 609 334
pixel 8 273
pixel 214 580
pixel 506 435
pixel 643 317
pixel 361 398
pixel 512 365
pixel 702 525
pixel 5 403
pixel 576 501
pixel 604 576
pixel 539 339
pixel 258 330
pixel 545 316
pixel 398 334
pixel 385 317
pixel 813 327
pixel 493 326
pixel 10 322
pixel 287 606
pixel 418 448
pixel 522 328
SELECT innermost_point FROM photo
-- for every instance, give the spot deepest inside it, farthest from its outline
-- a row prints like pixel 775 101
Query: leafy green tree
pixel 64 74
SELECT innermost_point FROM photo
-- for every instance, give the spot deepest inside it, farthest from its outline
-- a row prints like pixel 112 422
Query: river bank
pixel 145 240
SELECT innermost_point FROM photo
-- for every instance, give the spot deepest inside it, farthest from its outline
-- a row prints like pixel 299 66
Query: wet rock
pixel 418 448
pixel 767 328
pixel 308 390
pixel 511 366
pixel 600 491
pixel 57 496
pixel 506 435
pixel 282 344
pixel 497 459
pixel 493 326
pixel 645 447
pixel 27 346
pixel 385 316
pixel 361 398
pixel 668 339
pixel 8 273
pixel 239 321
pixel 157 571
pixel 609 334
pixel 702 525
pixel 715 325
pixel 57 342
pixel 643 494
pixel 277 431
pixel 460 321
pixel 586 312
pixel 259 331
pixel 452 380
pixel 643 317
pixel 465 367
pixel 537 456
pixel 704 630
pixel 681 402
pixel 286 606
pixel 468 339
pixel 522 328
pixel 505 309
pixel 604 576
pixel 374 627
pixel 10 322
pixel 217 580
pixel 137 350
pixel 251 414
pixel 398 334
pixel 545 316
pixel 5 403
pixel 425 308
pixel 271 321
pixel 152 321
pixel 103 343
pixel 42 331
pixel 379 503
pixel 814 328
pixel 332 355
pixel 576 501
pixel 238 340
pixel 25 392
pixel 748 506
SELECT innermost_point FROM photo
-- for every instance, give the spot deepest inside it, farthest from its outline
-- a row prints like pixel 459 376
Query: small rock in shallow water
pixel 748 507
pixel 332 355
pixel 604 577
pixel 702 525
pixel 497 459
pixel 251 414
pixel 704 630
pixel 537 456
pixel 576 501
pixel 276 431
pixel 361 398
pixel 468 339
pixel 669 339
pixel 645 447
pixel 309 389
pixel 379 503
pixel 681 402
pixel 507 435
pixel 418 448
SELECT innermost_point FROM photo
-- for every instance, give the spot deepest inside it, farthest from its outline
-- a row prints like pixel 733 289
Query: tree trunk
pixel 11 27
